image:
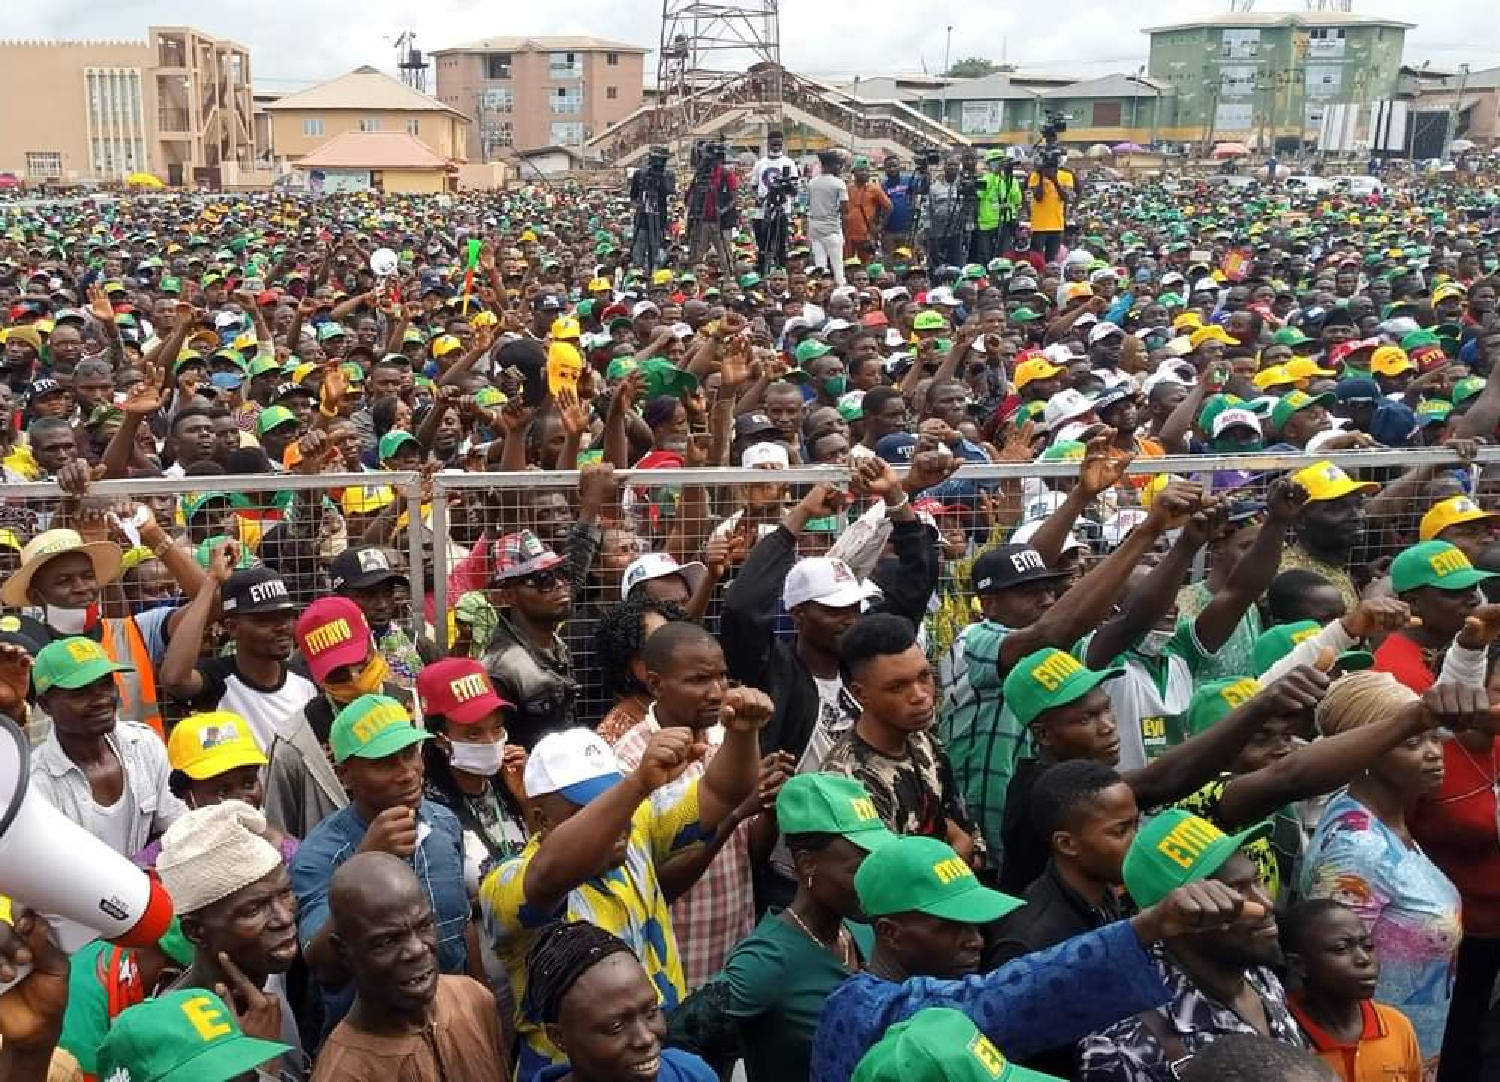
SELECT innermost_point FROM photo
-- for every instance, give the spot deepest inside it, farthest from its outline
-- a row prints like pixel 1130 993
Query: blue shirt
pixel 1029 1005
pixel 438 862
pixel 898 191
pixel 676 1066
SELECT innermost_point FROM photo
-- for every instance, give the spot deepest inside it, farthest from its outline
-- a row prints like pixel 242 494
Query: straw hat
pixel 105 556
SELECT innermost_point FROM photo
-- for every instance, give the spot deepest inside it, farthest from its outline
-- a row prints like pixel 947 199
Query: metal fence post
pixel 412 491
pixel 440 564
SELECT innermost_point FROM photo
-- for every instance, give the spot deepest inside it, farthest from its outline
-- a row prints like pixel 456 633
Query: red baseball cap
pixel 332 632
pixel 459 689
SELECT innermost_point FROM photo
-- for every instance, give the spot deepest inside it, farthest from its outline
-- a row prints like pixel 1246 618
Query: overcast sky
pixel 293 44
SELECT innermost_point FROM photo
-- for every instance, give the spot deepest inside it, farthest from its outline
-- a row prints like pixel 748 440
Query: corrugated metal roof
pixel 373 150
pixel 363 88
pixel 576 43
pixel 1116 85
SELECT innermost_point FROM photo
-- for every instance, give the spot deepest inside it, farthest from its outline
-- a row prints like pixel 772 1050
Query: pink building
pixel 525 93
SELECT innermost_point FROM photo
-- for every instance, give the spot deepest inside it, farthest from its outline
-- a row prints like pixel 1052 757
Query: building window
pixel 413 126
pixel 612 59
pixel 47 164
pixel 612 92
pixel 1106 114
pixel 567 100
pixel 564 66
pixel 566 133
pixel 312 125
pixel 495 134
pixel 369 123
pixel 497 66
pixel 497 99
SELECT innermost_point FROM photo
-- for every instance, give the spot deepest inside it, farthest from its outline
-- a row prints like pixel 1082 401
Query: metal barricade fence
pixel 298 524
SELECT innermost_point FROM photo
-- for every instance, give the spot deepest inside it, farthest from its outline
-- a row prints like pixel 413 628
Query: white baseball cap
pixel 659 565
pixel 575 763
pixel 944 296
pixel 1066 405
pixel 836 325
pixel 642 307
pixel 1027 530
pixel 826 580
pixel 1103 330
pixel 765 453
pixel 1232 418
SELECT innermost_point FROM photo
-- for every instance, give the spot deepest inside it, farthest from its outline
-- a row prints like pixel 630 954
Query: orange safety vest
pixel 124 645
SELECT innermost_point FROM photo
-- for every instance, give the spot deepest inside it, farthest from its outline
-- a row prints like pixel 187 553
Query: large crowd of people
pixel 952 769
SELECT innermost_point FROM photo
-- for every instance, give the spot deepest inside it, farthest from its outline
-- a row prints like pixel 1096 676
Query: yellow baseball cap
pixel 1275 376
pixel 598 285
pixel 484 319
pixel 565 327
pixel 445 344
pixel 204 746
pixel 1305 368
pixel 1325 481
pixel 1451 512
pixel 661 278
pixel 1391 361
pixel 1214 333
pixel 1187 320
pixel 1034 369
pixel 1448 289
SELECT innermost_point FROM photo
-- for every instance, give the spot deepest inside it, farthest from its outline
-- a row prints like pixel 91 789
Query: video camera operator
pixel 775 187
pixel 650 190
pixel 1051 189
pixel 999 207
pixel 950 197
pixel 711 210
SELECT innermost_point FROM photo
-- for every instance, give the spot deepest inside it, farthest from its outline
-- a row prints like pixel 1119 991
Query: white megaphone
pixel 384 262
pixel 83 888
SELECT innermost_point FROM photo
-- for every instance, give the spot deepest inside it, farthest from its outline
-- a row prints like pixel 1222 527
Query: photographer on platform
pixel 650 190
pixel 1051 189
pixel 712 214
pixel 775 188
pixel 999 207
pixel 948 220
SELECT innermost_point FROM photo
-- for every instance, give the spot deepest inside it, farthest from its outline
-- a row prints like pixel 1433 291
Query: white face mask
pixel 69 621
pixel 481 759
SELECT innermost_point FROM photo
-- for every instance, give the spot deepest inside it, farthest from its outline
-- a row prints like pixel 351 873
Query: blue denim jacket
pixel 438 862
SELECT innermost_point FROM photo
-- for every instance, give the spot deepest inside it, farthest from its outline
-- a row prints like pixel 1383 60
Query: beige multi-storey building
pixel 364 100
pixel 526 93
pixel 177 105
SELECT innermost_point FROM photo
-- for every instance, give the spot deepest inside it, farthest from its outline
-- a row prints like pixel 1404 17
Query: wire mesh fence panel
pixel 529 570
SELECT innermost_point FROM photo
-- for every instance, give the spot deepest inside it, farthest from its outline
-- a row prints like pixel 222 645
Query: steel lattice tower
pixel 704 42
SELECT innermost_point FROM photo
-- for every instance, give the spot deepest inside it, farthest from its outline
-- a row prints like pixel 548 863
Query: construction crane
pixel 410 61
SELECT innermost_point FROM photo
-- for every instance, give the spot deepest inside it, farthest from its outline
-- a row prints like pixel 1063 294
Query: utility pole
pixel 948 52
pixel 1450 130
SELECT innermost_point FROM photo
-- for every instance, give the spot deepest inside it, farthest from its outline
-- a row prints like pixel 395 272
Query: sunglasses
pixel 540 581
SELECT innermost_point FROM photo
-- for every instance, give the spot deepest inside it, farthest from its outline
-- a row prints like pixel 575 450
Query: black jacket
pixel 758 658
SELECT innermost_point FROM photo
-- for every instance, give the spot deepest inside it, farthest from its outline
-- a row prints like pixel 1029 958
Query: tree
pixel 973 67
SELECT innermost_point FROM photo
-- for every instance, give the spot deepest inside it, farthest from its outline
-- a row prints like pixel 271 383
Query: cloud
pixel 293 44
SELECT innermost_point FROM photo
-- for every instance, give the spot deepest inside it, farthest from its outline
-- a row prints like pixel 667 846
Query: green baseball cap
pixel 1435 563
pixel 372 727
pixel 1275 643
pixel 917 874
pixel 812 349
pixel 1295 402
pixel 1214 701
pixel 331 330
pixel 665 378
pixel 831 804
pixel 193 504
pixel 1466 388
pixel 393 441
pixel 273 417
pixel 1064 451
pixel 1049 678
pixel 926 321
pixel 1290 336
pixel 940 1044
pixel 1176 848
pixel 620 367
pixel 261 365
pixel 71 664
pixel 1023 315
pixel 205 550
pixel 185 1036
pixel 1434 411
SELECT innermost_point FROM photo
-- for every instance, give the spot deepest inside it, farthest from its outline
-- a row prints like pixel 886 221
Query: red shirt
pixel 1402 658
pixel 1456 826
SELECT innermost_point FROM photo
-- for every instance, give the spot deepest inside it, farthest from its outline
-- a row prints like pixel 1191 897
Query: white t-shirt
pixel 826 196
pixel 115 825
pixel 768 166
pixel 265 709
